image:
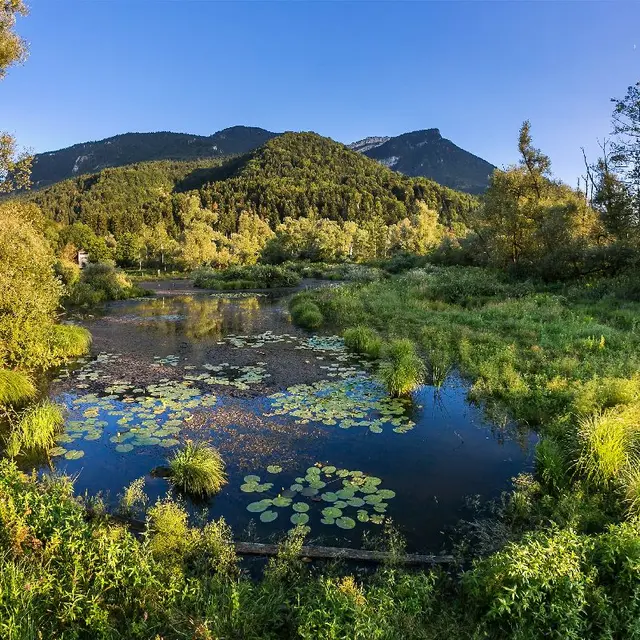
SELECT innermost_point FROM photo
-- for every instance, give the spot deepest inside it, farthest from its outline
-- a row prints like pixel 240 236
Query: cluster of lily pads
pixel 90 369
pixel 147 416
pixel 170 361
pixel 346 494
pixel 352 402
pixel 313 343
pixel 226 374
pixel 237 294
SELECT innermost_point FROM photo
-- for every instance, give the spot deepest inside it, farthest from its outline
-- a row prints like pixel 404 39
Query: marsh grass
pixel 306 314
pixel 36 428
pixel 401 369
pixel 15 388
pixel 69 341
pixel 363 340
pixel 133 498
pixel 197 469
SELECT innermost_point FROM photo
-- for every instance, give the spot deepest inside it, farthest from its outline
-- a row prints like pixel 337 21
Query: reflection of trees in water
pixel 195 317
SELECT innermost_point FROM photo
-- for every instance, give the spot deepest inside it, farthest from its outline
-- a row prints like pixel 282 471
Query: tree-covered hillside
pixel 294 175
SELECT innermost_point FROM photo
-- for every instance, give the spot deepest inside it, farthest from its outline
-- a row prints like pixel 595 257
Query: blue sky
pixel 344 69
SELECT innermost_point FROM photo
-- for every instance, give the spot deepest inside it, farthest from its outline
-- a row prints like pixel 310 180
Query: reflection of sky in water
pixel 430 452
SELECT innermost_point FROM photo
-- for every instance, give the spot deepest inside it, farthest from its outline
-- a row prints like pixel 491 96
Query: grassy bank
pixel 249 277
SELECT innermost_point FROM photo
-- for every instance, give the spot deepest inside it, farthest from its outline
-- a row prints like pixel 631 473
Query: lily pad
pixel 268 516
pixel 124 448
pixel 329 496
pixel 57 451
pixel 331 512
pixel 345 522
pixel 281 501
pixel 274 468
pixel 257 507
pixel 300 507
pixel 74 454
pixel 299 518
pixel 328 520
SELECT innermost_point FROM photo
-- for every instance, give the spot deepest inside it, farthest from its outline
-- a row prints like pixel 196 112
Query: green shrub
pixel 69 341
pixel 36 428
pixel 363 340
pixel 401 369
pixel 168 530
pixel 133 498
pixel 197 469
pixel 306 314
pixel 15 388
pixel 256 276
pixel 101 282
pixel 532 589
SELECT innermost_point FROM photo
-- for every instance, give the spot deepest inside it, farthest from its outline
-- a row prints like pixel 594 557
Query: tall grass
pixel 36 428
pixel 401 369
pixel 197 469
pixel 607 443
pixel 363 340
pixel 69 341
pixel 306 314
pixel 15 388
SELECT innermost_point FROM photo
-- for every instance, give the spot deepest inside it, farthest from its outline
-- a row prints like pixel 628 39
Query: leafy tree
pixel 13 48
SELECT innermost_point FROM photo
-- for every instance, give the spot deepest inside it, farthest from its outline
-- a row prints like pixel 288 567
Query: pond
pixel 307 433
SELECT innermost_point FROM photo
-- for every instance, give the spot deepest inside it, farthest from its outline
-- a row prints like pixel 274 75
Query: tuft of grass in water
pixel 36 428
pixel 606 441
pixel 363 340
pixel 401 369
pixel 197 469
pixel 69 341
pixel 15 387
pixel 133 498
pixel 306 314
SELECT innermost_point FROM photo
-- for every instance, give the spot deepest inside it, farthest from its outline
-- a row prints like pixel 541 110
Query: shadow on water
pixel 308 435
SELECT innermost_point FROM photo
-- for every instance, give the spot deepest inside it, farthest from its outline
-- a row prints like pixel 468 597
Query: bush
pixel 306 314
pixel 101 282
pixel 197 469
pixel 363 340
pixel 15 388
pixel 250 277
pixel 401 369
pixel 533 589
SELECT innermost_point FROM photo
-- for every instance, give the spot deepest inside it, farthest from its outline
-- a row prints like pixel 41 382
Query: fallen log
pixel 341 553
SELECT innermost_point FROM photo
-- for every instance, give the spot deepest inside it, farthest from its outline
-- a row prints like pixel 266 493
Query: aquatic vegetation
pixel 133 498
pixel 197 469
pixel 36 428
pixel 15 387
pixel 306 314
pixel 257 276
pixel 352 402
pixel 69 341
pixel 231 375
pixel 353 491
pixel 401 369
pixel 363 340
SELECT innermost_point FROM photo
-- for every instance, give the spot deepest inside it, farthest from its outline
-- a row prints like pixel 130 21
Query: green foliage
pixel 248 277
pixel 69 341
pixel 133 498
pixel 197 469
pixel 363 340
pixel 29 291
pixel 168 531
pixel 36 428
pixel 532 589
pixel 401 368
pixel 101 282
pixel 305 313
pixel 552 463
pixel 15 388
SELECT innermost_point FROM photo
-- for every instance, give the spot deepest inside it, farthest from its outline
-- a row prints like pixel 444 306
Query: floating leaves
pixel 268 516
pixel 351 497
pixel 274 468
pixel 229 375
pixel 356 401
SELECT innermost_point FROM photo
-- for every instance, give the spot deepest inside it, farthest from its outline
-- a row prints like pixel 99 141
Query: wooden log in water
pixel 342 553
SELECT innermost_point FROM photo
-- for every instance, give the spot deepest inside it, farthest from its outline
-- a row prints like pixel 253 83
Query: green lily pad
pixel 328 520
pixel 345 523
pixel 248 487
pixel 329 496
pixel 299 518
pixel 251 478
pixel 124 448
pixel 274 468
pixel 329 469
pixel 300 507
pixel 355 502
pixel 57 451
pixel 281 501
pixel 363 516
pixel 257 507
pixel 74 454
pixel 331 512
pixel 386 494
pixel 268 516
pixel 309 491
pixel 296 487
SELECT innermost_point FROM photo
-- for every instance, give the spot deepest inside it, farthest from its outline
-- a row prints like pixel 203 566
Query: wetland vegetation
pixel 466 379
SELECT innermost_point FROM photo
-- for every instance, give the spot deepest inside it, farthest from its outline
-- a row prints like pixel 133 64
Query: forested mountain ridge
pixel 293 175
pixel 427 153
pixel 420 153
pixel 131 148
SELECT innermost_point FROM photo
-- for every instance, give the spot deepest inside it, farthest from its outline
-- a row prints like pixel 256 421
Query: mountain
pixel 291 175
pixel 427 153
pixel 130 148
